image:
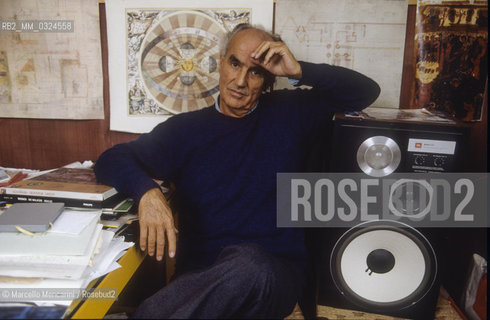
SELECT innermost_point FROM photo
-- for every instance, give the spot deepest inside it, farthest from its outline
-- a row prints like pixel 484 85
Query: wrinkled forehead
pixel 247 40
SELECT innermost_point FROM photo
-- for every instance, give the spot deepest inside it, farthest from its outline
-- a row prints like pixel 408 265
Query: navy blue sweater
pixel 224 168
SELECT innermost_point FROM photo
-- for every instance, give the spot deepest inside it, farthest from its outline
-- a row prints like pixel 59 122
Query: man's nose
pixel 241 79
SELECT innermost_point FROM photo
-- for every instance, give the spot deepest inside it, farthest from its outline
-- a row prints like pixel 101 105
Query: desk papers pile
pixel 70 255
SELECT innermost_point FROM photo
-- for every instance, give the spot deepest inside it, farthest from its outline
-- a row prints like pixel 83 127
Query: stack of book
pixel 63 251
pixel 75 187
pixel 73 251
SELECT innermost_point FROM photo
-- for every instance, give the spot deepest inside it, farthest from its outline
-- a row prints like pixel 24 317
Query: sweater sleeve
pixel 341 88
pixel 333 89
pixel 130 167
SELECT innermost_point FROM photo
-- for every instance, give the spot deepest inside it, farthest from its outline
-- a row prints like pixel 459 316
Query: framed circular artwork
pixel 179 59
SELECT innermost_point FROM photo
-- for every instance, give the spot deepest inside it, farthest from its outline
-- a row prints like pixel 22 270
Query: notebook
pixel 33 217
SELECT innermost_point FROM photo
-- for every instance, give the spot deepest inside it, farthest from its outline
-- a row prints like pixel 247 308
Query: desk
pixel 96 309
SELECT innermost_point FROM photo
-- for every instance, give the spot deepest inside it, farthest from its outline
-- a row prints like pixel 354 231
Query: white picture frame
pixel 148 114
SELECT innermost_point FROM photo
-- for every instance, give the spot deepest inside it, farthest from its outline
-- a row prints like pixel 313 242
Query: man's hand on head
pixel 275 57
pixel 156 223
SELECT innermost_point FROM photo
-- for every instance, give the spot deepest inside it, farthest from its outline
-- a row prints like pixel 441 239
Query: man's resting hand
pixel 275 57
pixel 156 223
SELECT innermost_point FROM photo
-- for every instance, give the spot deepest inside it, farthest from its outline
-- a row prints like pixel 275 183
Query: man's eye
pixel 234 64
pixel 256 73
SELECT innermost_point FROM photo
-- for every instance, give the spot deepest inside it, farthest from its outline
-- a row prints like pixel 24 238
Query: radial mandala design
pixel 179 60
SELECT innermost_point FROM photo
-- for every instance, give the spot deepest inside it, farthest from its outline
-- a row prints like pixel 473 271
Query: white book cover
pixel 104 262
pixel 51 266
pixel 62 239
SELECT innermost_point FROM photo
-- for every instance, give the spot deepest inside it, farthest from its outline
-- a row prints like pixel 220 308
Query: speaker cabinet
pixel 386 267
pixel 379 148
pixel 381 267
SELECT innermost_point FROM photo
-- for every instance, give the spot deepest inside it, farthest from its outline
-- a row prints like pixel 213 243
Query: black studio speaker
pixel 384 266
pixel 379 148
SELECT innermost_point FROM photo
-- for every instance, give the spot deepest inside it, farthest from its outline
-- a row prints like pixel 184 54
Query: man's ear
pixel 269 80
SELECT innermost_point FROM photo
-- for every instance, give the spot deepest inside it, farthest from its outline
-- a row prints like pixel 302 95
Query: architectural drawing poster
pixel 50 60
pixel 163 59
pixel 365 35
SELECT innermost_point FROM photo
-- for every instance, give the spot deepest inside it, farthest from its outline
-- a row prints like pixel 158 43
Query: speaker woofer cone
pixel 378 156
pixel 383 266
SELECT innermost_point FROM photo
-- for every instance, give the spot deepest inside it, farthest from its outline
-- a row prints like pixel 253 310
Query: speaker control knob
pixel 419 160
pixel 438 162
